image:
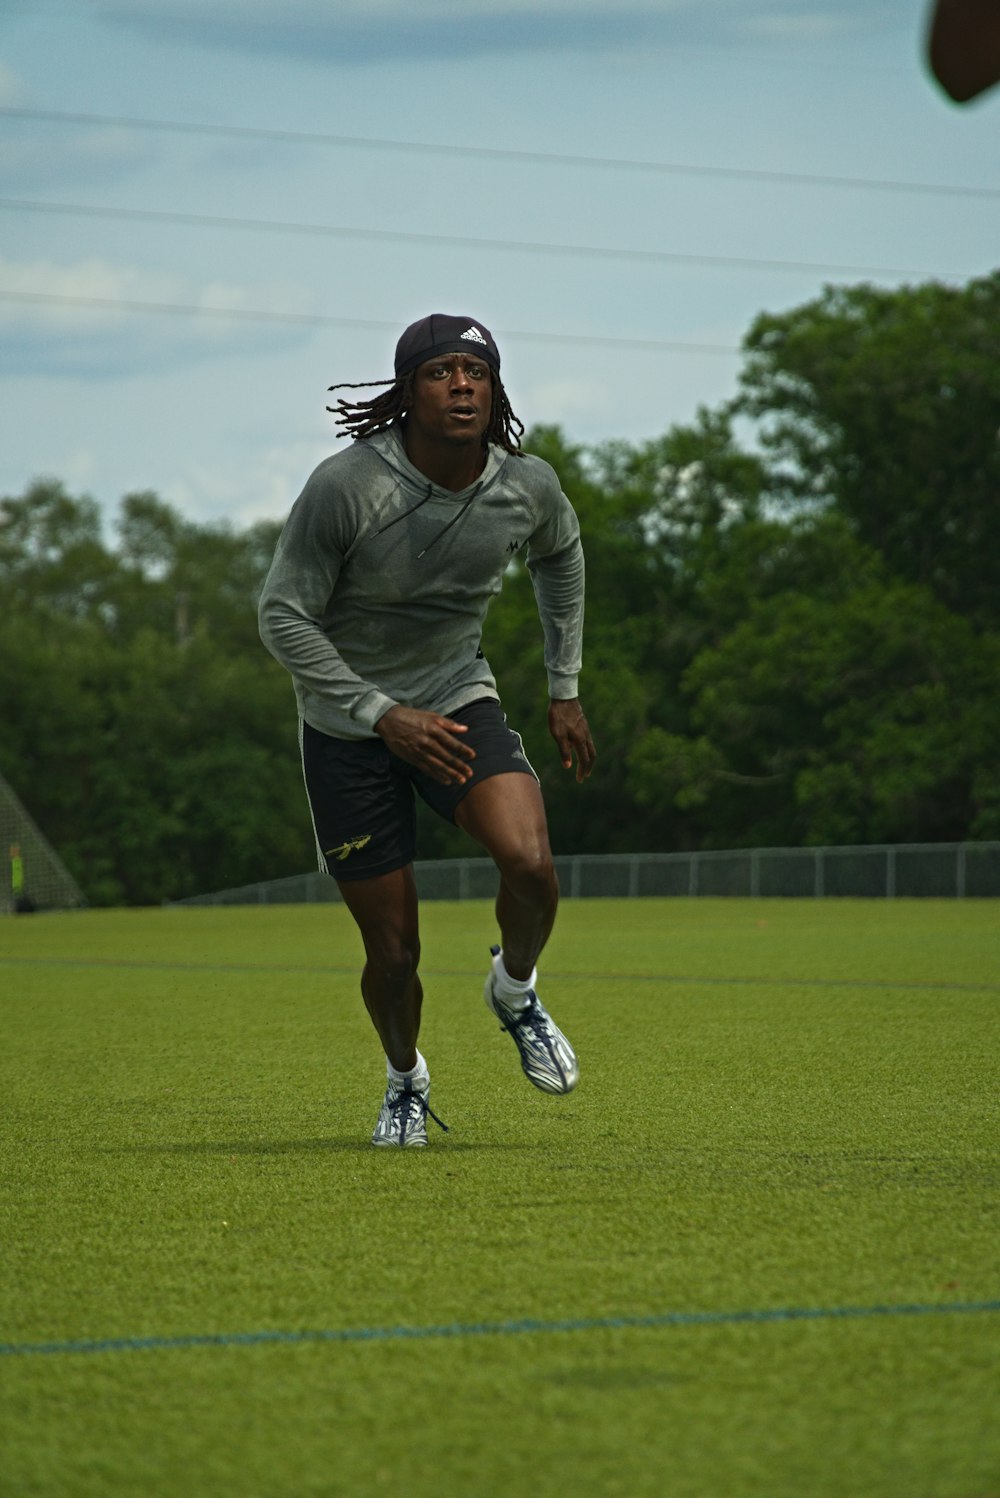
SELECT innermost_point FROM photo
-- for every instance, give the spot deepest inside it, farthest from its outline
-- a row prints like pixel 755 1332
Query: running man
pixel 375 604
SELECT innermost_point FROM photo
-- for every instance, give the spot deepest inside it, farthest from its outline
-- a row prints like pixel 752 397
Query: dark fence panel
pixel 910 871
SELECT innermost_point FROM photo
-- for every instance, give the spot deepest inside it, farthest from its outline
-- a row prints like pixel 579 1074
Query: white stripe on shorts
pixel 320 856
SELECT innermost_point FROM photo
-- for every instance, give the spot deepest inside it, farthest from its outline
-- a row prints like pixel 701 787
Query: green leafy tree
pixel 52 554
pixel 187 578
pixel 795 643
pixel 650 516
pixel 886 404
pixel 817 721
pixel 162 761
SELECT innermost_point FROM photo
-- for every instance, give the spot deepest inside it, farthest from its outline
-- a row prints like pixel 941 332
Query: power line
pixel 496 153
pixel 318 319
pixel 405 236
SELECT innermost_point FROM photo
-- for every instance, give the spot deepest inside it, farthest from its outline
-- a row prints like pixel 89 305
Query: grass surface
pixel 782 1105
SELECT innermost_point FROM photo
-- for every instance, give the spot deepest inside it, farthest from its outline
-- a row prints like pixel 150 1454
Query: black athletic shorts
pixel 361 795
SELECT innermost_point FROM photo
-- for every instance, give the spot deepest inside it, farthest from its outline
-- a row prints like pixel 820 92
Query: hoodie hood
pixel 389 446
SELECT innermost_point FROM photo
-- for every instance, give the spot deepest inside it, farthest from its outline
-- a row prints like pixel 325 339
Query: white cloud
pixel 30 157
pixel 574 403
pixel 103 319
pixel 801 25
pixel 368 31
pixel 79 468
pixel 40 279
pixel 13 91
pixel 263 487
pixel 99 282
pixel 361 31
pixel 381 12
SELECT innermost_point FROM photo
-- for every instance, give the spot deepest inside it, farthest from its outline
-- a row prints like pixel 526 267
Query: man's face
pixel 452 399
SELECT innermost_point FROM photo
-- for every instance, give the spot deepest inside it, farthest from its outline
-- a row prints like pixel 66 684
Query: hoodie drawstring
pixel 444 530
pixel 453 521
pixel 411 511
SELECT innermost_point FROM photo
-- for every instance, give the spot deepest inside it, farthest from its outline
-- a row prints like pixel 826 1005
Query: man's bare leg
pixel 385 910
pixel 506 814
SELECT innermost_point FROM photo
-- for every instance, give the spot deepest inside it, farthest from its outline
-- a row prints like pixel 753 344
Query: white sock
pixel 418 1076
pixel 512 991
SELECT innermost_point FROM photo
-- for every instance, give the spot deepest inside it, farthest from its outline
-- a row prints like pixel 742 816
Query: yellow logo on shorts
pixel 341 852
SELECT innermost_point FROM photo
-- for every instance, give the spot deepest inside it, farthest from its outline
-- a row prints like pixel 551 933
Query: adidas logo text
pixel 473 335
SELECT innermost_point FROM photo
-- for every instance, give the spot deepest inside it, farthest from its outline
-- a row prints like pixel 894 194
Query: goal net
pixel 34 876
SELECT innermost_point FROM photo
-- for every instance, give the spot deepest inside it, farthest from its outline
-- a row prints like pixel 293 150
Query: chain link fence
pixel 901 870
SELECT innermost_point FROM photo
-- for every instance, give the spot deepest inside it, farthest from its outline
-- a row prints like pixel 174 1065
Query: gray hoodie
pixel 381 581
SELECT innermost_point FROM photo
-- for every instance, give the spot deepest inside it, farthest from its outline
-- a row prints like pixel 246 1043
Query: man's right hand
pixel 430 742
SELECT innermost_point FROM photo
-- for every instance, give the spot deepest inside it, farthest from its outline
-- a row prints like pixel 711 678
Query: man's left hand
pixel 568 726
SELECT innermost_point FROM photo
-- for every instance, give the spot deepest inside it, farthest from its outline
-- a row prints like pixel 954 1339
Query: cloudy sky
pixel 210 213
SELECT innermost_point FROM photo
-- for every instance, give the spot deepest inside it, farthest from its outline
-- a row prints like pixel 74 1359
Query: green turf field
pixel 213 1285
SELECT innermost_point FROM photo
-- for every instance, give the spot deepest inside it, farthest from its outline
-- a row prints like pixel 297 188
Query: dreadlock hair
pixel 361 419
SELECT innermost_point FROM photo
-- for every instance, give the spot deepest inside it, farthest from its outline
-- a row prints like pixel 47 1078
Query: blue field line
pixel 495 1328
pixel 331 970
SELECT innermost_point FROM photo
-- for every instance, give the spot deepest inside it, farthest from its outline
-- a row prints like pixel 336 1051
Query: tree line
pixel 793 628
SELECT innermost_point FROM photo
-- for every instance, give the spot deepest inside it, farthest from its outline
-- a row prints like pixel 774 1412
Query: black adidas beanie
pixel 442 334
